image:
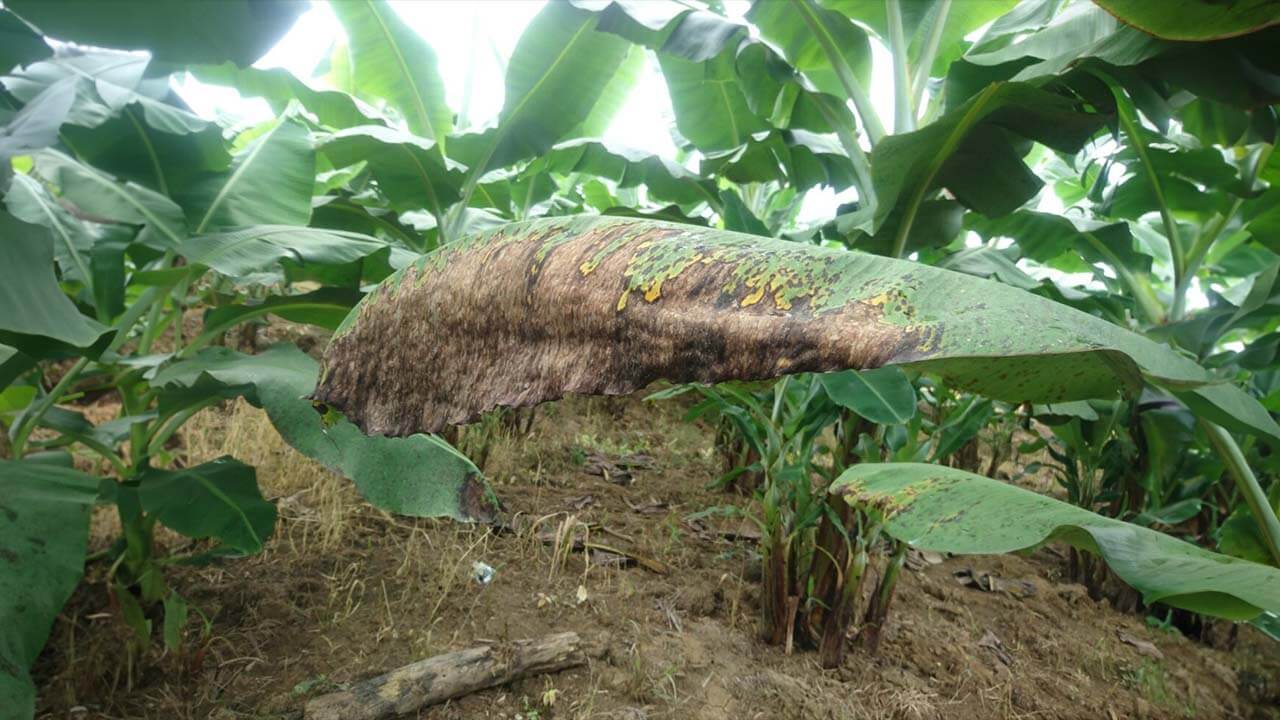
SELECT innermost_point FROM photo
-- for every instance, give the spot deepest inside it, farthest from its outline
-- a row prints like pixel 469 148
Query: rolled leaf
pixel 531 311
pixel 948 510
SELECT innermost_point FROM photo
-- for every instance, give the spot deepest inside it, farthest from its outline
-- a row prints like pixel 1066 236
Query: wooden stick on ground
pixel 451 675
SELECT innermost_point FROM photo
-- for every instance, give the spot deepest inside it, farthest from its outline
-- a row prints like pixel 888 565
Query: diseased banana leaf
pixel 531 311
pixel 948 510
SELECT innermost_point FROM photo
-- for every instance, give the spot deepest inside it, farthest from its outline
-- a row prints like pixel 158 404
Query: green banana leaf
pixel 947 510
pixel 34 303
pixel 44 528
pixel 558 72
pixel 420 475
pixel 1195 20
pixel 269 182
pixel 177 31
pixel 393 63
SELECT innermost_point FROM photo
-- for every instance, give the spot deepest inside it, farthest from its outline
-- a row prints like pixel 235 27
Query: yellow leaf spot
pixel 654 292
pixel 754 297
pixel 622 301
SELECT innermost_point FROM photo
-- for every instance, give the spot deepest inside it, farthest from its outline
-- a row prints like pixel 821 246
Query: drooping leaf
pixel 393 63
pixel 217 499
pixel 178 31
pixel 325 308
pixel 44 528
pixel 29 293
pixel 269 182
pixel 240 254
pixel 988 262
pixel 419 475
pixel 30 202
pixel 664 180
pixel 19 43
pixel 947 510
pixel 711 111
pixel 129 147
pixel 673 27
pixel 969 150
pixel 104 199
pixel 799 158
pixel 1194 20
pixel 410 171
pixel 1052 238
pixel 107 82
pixel 36 125
pixel 531 311
pixel 279 86
pixel 884 396
pixel 124 123
pixel 781 24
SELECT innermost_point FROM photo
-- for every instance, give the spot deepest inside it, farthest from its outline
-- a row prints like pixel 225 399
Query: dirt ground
pixel 345 591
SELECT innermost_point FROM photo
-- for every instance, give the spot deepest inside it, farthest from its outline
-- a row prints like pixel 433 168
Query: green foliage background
pixel 124 212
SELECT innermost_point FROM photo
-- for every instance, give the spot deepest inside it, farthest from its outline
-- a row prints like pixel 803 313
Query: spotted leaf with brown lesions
pixel 947 510
pixel 532 311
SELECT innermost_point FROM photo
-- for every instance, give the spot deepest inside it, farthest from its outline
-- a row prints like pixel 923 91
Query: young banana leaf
pixel 531 311
pixel 947 510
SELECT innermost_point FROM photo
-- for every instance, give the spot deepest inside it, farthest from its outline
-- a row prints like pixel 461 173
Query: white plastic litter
pixel 482 572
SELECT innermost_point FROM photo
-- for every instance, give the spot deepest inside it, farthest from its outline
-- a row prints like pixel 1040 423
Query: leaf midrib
pixel 217 493
pixel 883 400
pixel 99 178
pixel 235 176
pixel 224 249
pixel 520 106
pixel 62 233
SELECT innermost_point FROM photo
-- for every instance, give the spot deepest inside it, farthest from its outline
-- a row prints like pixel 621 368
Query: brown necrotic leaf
pixel 532 311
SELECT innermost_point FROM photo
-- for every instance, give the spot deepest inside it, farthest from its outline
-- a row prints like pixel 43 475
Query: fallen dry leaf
pixel 1142 646
pixel 994 644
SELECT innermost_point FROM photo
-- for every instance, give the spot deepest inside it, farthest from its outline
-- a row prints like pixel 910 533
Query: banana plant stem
pixel 849 141
pixel 903 117
pixel 930 52
pixel 1129 122
pixel 854 89
pixel 1145 298
pixel 24 428
pixel 1200 248
pixel 1254 497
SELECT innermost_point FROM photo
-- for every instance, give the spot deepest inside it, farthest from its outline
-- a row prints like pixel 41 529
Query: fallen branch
pixel 451 675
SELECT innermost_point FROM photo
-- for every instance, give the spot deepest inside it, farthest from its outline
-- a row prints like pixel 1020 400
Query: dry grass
pixel 345 591
pixel 318 503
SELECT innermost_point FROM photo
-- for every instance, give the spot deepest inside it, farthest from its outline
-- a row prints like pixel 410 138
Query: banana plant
pixel 596 305
pixel 124 215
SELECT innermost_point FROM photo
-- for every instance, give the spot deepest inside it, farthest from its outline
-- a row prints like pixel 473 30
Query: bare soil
pixel 345 591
